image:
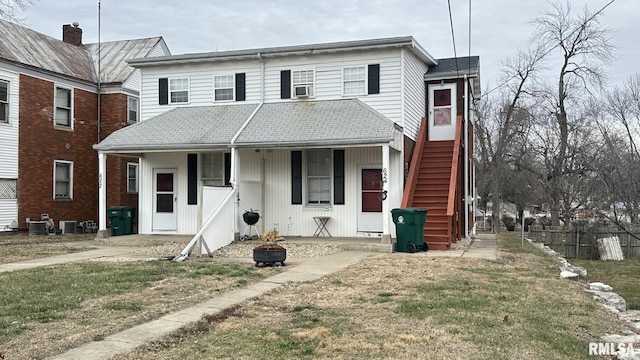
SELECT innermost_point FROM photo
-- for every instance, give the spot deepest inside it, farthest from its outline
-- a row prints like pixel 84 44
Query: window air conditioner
pixel 302 91
pixel 68 227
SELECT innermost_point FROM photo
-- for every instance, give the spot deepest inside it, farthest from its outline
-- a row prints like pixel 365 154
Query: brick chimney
pixel 72 34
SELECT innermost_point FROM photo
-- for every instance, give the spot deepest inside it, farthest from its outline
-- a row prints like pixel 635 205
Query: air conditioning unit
pixel 68 227
pixel 302 91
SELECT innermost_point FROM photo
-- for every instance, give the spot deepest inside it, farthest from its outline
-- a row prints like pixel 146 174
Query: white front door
pixel 164 200
pixel 442 112
pixel 369 204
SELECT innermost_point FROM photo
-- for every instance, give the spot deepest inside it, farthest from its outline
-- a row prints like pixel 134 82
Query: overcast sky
pixel 498 27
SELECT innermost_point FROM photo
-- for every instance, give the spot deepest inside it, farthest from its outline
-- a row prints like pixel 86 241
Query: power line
pixel 551 48
pixel 453 38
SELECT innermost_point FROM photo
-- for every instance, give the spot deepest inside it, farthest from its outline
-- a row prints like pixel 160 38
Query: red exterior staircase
pixel 432 184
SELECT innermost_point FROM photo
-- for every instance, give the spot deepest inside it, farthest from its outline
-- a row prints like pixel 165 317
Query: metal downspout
pixel 466 156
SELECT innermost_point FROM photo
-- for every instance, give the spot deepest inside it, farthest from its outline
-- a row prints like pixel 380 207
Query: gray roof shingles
pixel 187 127
pixel 296 123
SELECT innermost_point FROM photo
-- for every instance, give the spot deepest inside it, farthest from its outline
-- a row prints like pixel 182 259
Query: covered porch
pixel 292 161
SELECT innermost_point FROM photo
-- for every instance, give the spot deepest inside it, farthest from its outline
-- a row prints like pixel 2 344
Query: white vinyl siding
pixel 414 94
pixel 9 131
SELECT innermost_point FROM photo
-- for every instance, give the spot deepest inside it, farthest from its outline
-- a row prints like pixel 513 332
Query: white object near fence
pixel 610 249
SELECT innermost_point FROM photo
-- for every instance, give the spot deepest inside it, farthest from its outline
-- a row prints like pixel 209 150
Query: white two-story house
pixel 322 130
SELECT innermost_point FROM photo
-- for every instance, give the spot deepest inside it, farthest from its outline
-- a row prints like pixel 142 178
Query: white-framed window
pixel 318 176
pixel 63 114
pixel 213 169
pixel 223 87
pixel 354 80
pixel 4 101
pixel 132 177
pixel 302 82
pixel 179 90
pixel 133 108
pixel 62 179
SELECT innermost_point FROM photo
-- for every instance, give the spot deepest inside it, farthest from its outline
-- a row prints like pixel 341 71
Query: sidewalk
pixel 307 269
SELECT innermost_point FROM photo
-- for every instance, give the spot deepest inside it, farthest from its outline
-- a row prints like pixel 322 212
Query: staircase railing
pixel 453 180
pixel 416 160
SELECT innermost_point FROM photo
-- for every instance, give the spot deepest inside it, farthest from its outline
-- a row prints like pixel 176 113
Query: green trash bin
pixel 410 229
pixel 121 220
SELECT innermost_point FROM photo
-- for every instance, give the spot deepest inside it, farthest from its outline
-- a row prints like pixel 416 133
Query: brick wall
pixel 40 144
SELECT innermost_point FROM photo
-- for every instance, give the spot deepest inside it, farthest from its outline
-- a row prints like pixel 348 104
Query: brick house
pixel 53 108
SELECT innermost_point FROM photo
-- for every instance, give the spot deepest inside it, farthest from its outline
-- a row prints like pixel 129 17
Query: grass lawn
pixel 408 306
pixel 621 275
pixel 22 247
pixel 48 310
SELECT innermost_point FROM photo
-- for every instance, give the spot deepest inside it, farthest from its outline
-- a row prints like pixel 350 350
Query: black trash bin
pixel 121 220
pixel 410 229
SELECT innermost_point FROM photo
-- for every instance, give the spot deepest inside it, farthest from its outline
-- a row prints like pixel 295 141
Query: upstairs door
pixel 442 112
pixel 164 200
pixel 369 204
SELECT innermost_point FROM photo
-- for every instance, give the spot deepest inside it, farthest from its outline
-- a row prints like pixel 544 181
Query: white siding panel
pixel 9 131
pixel 187 215
pixel 297 220
pixel 159 50
pixel 133 82
pixel 414 94
pixel 200 84
pixel 8 212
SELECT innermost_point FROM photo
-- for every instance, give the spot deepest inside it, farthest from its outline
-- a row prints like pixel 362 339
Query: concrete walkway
pixel 308 269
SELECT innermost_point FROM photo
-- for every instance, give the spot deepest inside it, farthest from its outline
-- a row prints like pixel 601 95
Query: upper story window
pixel 354 80
pixel 4 101
pixel 133 109
pixel 179 90
pixel 223 87
pixel 303 83
pixel 62 179
pixel 63 107
pixel 132 177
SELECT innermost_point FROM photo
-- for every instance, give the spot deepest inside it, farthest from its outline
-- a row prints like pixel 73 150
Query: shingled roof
pixel 281 124
pixel 26 47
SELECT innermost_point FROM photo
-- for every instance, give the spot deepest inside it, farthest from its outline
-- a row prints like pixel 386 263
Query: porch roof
pixel 180 129
pixel 316 123
pixel 282 124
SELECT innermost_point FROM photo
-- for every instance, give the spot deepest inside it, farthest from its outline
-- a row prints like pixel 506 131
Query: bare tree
pixel 582 46
pixel 9 9
pixel 502 127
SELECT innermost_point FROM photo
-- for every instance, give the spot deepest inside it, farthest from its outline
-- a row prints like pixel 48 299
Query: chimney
pixel 72 34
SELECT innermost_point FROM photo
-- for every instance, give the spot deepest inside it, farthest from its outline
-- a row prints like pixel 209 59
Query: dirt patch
pixel 22 247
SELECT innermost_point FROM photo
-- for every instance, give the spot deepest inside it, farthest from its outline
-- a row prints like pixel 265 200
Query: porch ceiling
pixel 344 122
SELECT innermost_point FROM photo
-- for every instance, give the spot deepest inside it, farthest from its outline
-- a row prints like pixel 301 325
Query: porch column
pixel 102 196
pixel 386 234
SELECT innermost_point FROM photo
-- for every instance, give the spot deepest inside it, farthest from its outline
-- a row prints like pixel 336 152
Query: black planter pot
pixel 269 256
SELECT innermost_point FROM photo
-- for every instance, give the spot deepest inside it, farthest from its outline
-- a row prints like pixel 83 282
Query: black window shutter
pixel 296 177
pixel 374 79
pixel 338 177
pixel 227 168
pixel 240 87
pixel 285 84
pixel 163 91
pixel 192 179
